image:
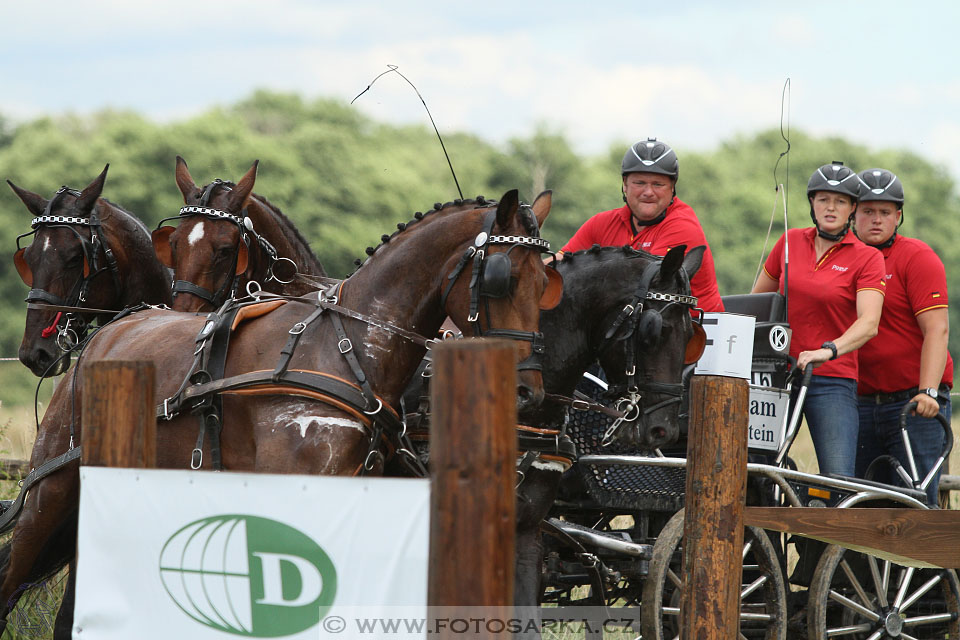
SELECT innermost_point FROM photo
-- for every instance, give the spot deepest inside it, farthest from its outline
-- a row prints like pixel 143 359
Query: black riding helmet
pixel 650 156
pixel 880 184
pixel 839 179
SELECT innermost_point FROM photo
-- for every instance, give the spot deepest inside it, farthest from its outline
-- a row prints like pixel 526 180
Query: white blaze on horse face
pixel 196 234
pixel 46 243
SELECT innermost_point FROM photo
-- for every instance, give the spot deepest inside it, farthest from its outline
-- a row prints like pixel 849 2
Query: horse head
pixel 215 248
pixel 653 339
pixel 79 257
pixel 510 287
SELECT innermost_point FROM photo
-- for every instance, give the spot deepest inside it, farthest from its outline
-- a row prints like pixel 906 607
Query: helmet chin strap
pixel 832 237
pixel 647 223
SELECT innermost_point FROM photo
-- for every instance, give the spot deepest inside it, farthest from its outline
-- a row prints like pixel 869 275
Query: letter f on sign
pixel 730 341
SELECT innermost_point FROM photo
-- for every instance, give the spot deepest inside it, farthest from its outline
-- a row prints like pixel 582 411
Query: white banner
pixel 194 554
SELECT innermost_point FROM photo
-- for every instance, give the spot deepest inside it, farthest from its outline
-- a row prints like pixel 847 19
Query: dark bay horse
pixel 630 311
pixel 229 236
pixel 86 252
pixel 477 262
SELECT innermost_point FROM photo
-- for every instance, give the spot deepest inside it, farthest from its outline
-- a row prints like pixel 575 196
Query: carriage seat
pixel 765 307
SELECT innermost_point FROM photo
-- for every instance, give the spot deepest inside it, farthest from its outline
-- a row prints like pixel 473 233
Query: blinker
pixel 495 279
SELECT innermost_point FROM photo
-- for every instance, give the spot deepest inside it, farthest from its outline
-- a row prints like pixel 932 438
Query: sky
pixel 883 74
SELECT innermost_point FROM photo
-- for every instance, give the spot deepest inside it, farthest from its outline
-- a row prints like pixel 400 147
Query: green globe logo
pixel 248 575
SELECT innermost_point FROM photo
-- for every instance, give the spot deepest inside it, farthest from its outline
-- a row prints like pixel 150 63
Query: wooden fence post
pixel 713 521
pixel 119 415
pixel 473 448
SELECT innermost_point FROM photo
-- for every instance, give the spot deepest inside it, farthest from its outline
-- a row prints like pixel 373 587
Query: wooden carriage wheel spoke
pixel 904 586
pixel 931 619
pixel 879 585
pixel 674 579
pixel 855 583
pixel 929 584
pixel 753 586
pixel 854 606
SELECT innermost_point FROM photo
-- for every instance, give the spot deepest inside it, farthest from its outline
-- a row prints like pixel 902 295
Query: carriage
pixel 615 534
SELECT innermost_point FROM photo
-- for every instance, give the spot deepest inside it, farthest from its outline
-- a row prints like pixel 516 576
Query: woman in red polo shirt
pixel 835 288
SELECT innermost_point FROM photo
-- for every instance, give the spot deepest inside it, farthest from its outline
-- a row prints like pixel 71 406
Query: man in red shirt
pixel 653 219
pixel 908 360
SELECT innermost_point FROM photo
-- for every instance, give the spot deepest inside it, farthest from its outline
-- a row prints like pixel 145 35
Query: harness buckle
pixel 196 459
pixel 631 371
pixel 473 317
pixel 580 405
pixel 368 463
pixel 345 346
pixel 297 329
pixel 375 411
pixel 166 410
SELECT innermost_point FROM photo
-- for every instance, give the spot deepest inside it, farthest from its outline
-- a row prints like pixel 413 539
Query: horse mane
pixel 479 201
pixel 600 252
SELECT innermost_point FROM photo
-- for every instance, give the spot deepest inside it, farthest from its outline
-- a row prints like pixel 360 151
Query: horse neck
pixel 401 283
pixel 142 276
pixel 279 231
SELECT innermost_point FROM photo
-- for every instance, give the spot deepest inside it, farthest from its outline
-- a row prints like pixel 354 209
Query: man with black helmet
pixel 653 218
pixel 835 287
pixel 908 361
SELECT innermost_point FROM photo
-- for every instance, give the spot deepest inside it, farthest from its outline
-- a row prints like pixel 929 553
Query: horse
pixel 630 310
pixel 410 282
pixel 86 252
pixel 227 238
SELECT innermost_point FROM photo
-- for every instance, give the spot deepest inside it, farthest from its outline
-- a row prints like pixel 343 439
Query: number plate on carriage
pixel 767 417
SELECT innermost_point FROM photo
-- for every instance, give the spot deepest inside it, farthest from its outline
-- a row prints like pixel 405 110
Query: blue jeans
pixel 830 410
pixel 880 434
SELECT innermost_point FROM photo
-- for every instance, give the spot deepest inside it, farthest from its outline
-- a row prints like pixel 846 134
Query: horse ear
pixel 23 268
pixel 161 245
pixel 36 203
pixel 88 197
pixel 242 257
pixel 238 195
pixel 693 260
pixel 507 208
pixel 184 180
pixel 541 206
pixel 553 292
pixel 672 262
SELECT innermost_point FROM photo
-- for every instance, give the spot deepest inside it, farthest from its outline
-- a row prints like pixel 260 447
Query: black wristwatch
pixel 832 347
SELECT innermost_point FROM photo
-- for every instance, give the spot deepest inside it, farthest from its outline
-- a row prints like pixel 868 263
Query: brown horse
pixel 477 262
pixel 86 252
pixel 228 237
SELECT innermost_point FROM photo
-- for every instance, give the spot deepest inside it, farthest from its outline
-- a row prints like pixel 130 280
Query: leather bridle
pixel 74 327
pixel 228 288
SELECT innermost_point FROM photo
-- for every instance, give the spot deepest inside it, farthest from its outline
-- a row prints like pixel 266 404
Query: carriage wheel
pixel 858 596
pixel 763 595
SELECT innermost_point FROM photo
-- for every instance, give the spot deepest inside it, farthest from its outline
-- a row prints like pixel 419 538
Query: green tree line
pixel 346 179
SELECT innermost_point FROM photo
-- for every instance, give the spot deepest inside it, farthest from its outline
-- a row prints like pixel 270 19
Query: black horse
pixel 631 311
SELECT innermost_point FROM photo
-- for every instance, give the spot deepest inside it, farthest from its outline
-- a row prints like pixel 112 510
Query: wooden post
pixel 119 415
pixel 713 523
pixel 473 449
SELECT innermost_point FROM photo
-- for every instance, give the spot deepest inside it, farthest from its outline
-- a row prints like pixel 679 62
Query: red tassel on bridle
pixel 46 333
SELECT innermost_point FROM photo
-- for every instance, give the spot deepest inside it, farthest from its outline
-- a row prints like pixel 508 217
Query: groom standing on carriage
pixel 653 218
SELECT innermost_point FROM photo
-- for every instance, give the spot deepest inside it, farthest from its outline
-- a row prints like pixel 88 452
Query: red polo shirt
pixel 916 282
pixel 680 226
pixel 822 302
